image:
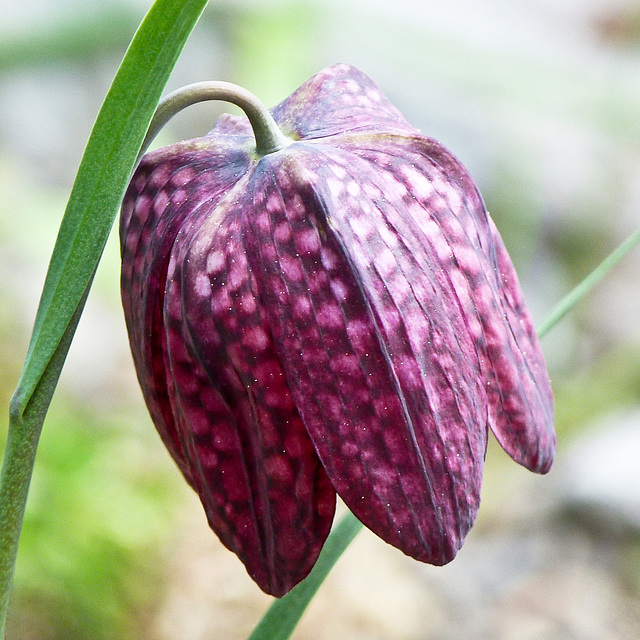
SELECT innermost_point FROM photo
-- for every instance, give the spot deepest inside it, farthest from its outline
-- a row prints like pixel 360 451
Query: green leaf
pixel 103 175
pixel 280 620
pixel 95 198
pixel 581 290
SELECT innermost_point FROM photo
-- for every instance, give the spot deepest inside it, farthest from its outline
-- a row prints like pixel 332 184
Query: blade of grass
pixel 581 290
pixel 282 617
pixel 97 192
pixel 280 620
pixel 103 174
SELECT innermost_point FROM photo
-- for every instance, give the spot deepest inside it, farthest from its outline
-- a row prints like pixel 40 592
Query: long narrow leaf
pixel 103 175
pixel 98 189
pixel 280 620
pixel 581 290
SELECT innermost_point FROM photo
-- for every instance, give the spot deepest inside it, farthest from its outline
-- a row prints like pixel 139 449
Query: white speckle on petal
pixel 338 171
pixel 255 338
pixel 340 290
pixel 336 187
pixel 282 233
pixel 202 285
pixel 419 185
pixel 353 189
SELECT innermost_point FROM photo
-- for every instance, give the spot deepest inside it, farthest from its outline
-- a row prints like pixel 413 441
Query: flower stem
pixel 269 138
pixel 19 456
pixel 25 426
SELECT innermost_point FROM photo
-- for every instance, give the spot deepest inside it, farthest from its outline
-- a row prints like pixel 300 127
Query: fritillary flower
pixel 330 312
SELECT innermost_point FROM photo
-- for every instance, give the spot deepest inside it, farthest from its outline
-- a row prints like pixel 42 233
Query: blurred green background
pixel 541 100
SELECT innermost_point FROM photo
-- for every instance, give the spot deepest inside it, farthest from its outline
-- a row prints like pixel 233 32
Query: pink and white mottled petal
pixel 532 443
pixel 472 257
pixel 336 100
pixel 392 411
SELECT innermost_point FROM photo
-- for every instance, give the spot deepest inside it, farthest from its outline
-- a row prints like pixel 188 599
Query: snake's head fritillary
pixel 338 316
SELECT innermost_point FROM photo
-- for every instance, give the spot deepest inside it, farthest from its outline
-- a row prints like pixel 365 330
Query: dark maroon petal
pixel 165 192
pixel 259 477
pixel 384 375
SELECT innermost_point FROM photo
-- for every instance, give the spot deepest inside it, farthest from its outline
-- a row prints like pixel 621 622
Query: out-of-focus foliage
pixel 90 557
pixel 542 101
pixel 67 36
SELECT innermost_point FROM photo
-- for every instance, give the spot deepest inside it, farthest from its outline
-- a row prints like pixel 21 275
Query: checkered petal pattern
pixel 340 316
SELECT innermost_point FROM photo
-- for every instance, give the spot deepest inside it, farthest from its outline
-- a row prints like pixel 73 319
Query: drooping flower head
pixel 336 316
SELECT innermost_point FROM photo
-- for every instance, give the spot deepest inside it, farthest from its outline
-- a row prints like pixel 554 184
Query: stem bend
pixel 269 138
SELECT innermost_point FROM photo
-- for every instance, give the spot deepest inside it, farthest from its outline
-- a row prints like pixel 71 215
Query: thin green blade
pixel 581 290
pixel 95 198
pixel 103 175
pixel 280 620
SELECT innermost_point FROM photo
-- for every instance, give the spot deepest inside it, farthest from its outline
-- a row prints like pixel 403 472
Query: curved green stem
pixel 269 138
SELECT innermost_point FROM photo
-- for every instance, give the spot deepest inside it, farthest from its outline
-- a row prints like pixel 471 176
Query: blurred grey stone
pixel 599 477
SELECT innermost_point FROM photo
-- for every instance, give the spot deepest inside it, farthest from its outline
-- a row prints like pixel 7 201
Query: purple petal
pixel 527 436
pixel 384 374
pixel 338 99
pixel 259 477
pixel 164 193
pixel 442 201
